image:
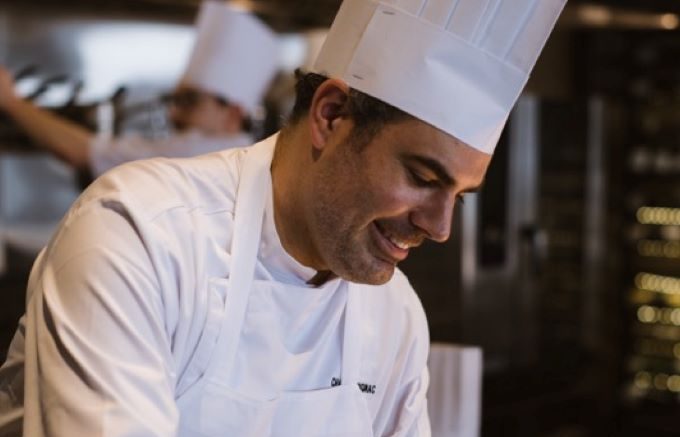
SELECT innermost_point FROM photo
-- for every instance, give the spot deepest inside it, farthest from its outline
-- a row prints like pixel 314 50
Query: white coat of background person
pixel 234 58
pixel 254 292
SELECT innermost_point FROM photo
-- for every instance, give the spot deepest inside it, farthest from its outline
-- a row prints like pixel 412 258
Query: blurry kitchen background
pixel 565 268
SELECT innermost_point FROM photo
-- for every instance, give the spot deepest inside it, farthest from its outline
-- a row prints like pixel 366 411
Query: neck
pixel 321 278
pixel 288 188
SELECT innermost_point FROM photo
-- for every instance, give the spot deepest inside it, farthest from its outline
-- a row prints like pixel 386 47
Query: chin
pixel 379 279
pixel 352 259
pixel 367 274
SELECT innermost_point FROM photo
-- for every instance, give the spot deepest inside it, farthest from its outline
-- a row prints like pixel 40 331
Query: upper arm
pixel 99 358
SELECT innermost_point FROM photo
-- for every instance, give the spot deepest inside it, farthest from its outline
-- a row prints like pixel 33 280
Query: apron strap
pixel 254 185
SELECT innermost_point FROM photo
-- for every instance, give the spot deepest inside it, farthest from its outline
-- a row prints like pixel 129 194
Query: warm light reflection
pixel 669 21
pixel 665 316
pixel 643 380
pixel 658 283
pixel 647 314
pixel 661 381
pixel 673 383
pixel 591 15
pixel 595 15
pixel 649 215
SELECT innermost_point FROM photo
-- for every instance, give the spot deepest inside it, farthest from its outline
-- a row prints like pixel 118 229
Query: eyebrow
pixel 438 169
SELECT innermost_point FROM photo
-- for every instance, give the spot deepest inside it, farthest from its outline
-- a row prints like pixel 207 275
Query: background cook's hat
pixel 458 65
pixel 235 55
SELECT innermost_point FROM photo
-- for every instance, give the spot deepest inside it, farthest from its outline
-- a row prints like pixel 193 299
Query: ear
pixel 327 110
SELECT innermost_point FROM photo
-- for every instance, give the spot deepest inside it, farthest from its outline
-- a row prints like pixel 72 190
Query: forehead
pixel 417 139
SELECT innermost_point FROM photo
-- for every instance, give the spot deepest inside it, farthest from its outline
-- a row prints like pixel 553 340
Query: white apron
pixel 210 407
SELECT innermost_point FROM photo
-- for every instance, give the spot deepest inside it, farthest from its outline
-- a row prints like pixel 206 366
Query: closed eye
pixel 422 181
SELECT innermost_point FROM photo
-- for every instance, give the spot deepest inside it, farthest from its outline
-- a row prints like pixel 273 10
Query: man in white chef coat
pixel 233 61
pixel 254 292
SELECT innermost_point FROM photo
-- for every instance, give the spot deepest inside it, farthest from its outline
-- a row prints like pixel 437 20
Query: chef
pixel 234 58
pixel 254 292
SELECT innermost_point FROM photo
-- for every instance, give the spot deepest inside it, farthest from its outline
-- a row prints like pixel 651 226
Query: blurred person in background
pixel 255 292
pixel 234 58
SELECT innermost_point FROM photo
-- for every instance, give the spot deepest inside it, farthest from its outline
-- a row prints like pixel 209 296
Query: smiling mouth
pixel 394 248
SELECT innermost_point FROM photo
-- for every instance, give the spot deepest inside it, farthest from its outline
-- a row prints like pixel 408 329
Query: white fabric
pixel 121 326
pixel 457 64
pixel 235 55
pixel 455 394
pixel 106 153
pixel 276 411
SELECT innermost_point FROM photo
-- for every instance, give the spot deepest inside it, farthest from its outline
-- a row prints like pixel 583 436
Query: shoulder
pixel 157 185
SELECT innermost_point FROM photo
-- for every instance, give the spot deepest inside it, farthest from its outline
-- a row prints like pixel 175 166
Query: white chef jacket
pixel 119 326
pixel 106 153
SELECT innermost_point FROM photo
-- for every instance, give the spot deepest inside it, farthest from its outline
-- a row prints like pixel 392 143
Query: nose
pixel 434 217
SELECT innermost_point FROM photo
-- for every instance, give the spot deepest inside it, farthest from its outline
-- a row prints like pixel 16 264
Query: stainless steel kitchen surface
pixel 564 268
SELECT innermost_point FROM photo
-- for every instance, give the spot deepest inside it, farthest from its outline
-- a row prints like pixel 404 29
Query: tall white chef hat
pixel 458 65
pixel 235 55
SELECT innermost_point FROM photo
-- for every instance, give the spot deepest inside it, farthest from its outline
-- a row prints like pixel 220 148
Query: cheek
pixel 380 202
pixel 390 192
pixel 394 200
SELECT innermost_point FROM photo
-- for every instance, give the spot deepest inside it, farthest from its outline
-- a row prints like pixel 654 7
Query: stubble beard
pixel 343 240
pixel 347 253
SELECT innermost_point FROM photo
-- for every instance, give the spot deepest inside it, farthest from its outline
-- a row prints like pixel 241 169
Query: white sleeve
pixel 98 353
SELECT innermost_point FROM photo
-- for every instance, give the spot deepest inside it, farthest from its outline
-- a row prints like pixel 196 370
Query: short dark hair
pixel 368 113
